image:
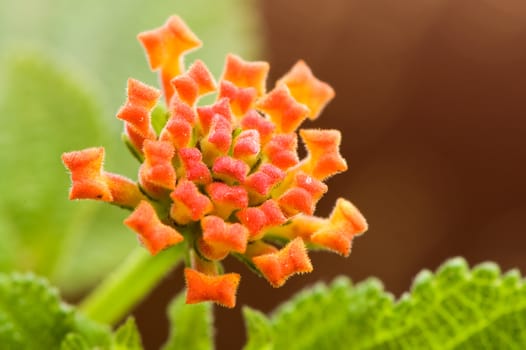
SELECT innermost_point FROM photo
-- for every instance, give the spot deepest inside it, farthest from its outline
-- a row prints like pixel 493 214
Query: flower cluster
pixel 225 178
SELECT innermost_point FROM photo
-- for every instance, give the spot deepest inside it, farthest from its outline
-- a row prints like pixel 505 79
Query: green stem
pixel 129 284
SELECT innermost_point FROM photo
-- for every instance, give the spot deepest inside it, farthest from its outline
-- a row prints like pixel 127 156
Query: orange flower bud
pixel 265 128
pixel 155 235
pixel 188 203
pixel 218 140
pixel 227 198
pixel 124 192
pixel 230 170
pixel 241 99
pixel 193 168
pixel 87 179
pixel 247 146
pixel 290 260
pixel 307 89
pixel 157 172
pixel 220 238
pixel 218 289
pixel 196 82
pixel 258 219
pixel 207 113
pixel 284 111
pixel 282 150
pixel 345 222
pixel 246 74
pixel 165 47
pixel 262 181
pixel 324 159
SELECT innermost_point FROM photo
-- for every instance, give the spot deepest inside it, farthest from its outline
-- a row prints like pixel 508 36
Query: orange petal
pixel 246 74
pixel 207 113
pixel 290 260
pixel 136 111
pixel 227 198
pixel 230 170
pixel 125 192
pixel 307 89
pixel 86 174
pixel 281 150
pixel 247 146
pixel 220 237
pixel 253 120
pixel 165 47
pixel 284 111
pixel 155 235
pixel 258 219
pixel 300 225
pixel 193 167
pixel 240 99
pixel 344 223
pixel 188 203
pixel 196 82
pixel 296 200
pixel 157 172
pixel 324 158
pixel 263 180
pixel 218 289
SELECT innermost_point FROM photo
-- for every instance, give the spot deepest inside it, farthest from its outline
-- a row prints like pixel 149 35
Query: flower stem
pixel 129 283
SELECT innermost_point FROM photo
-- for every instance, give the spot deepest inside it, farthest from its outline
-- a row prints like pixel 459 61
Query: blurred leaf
pixel 191 325
pixel 33 317
pixel 454 309
pixel 127 337
pixel 46 112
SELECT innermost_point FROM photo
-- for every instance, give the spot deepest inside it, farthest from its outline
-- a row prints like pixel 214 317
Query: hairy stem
pixel 129 284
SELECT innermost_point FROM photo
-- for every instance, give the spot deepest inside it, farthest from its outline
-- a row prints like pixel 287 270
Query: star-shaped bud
pixel 300 225
pixel 290 260
pixel 307 89
pixel 193 168
pixel 227 198
pixel 124 192
pixel 157 174
pixel 207 113
pixel 136 112
pixel 188 203
pixel 247 146
pixel 259 219
pixel 281 150
pixel 252 120
pixel 324 158
pixel 345 222
pixel 261 182
pixel 284 111
pixel 179 128
pixel 155 235
pixel 165 47
pixel 218 140
pixel 246 74
pixel 88 181
pixel 241 99
pixel 221 238
pixel 197 81
pixel 230 170
pixel 302 195
pixel 218 289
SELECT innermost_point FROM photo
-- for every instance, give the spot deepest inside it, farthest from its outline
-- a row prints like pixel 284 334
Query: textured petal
pixel 284 111
pixel 246 74
pixel 281 150
pixel 157 171
pixel 230 170
pixel 193 168
pixel 218 289
pixel 188 203
pixel 155 235
pixel 241 99
pixel 253 120
pixel 307 89
pixel 324 158
pixel 196 82
pixel 227 198
pixel 87 181
pixel 290 260
pixel 220 238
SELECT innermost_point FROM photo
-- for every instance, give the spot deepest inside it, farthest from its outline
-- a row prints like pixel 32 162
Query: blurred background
pixel 430 98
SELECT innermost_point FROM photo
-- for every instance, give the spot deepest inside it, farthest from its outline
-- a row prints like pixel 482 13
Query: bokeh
pixel 430 98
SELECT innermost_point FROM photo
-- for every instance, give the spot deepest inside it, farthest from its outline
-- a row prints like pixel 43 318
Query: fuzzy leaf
pixel 191 325
pixel 456 308
pixel 33 317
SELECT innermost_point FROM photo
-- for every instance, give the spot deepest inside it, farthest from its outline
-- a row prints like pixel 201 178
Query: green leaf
pixel 191 325
pixel 33 317
pixel 453 309
pixel 47 111
pixel 127 337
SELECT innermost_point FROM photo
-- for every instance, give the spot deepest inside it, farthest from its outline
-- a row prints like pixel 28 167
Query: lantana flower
pixel 226 177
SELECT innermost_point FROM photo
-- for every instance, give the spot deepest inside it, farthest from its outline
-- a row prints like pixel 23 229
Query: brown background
pixel 431 103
